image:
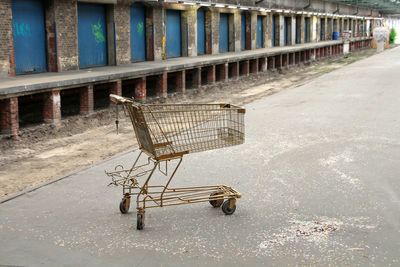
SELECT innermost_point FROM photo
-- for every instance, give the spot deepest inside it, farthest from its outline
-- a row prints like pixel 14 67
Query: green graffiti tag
pixel 97 31
pixel 140 28
pixel 22 29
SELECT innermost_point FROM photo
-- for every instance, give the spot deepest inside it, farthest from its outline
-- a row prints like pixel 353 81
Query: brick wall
pixel 123 32
pixel 5 37
pixel 51 37
pixel 66 18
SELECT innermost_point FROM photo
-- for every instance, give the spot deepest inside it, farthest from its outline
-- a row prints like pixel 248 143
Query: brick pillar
pixel 237 18
pixel 116 88
pixel 234 70
pixel 86 105
pixel 196 78
pixel 66 16
pixel 215 31
pixel 278 62
pixel 159 35
pixel 52 107
pixel 211 74
pixel 271 63
pixel 162 85
pixel 121 14
pixel 293 30
pixel 7 64
pixel 254 65
pixel 253 26
pixel 51 37
pixel 284 60
pixel 223 72
pixel 263 62
pixel 9 119
pixel 180 81
pixel 245 68
pixel 140 89
pixel 280 29
pixel 302 29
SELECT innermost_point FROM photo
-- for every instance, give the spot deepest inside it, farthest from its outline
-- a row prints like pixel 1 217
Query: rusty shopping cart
pixel 165 133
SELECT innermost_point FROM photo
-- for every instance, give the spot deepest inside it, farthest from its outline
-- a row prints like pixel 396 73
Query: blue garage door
pixel 29 36
pixel 138 33
pixel 201 32
pixel 92 35
pixel 259 34
pixel 307 30
pixel 243 32
pixel 274 37
pixel 322 30
pixel 174 43
pixel 223 33
pixel 287 31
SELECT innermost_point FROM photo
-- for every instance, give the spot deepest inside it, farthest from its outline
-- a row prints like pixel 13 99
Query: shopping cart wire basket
pixel 165 133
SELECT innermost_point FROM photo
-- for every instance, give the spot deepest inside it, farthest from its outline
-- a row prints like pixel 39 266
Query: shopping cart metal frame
pixel 220 125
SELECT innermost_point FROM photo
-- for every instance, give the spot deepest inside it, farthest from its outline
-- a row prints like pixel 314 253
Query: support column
pixel 224 72
pixel 160 41
pixel 253 30
pixel 9 119
pixel 317 30
pixel 293 30
pixel 65 17
pixel 215 31
pixel 280 25
pixel 237 20
pixel 254 65
pixel 140 89
pixel 326 29
pixel 302 29
pixel 86 99
pixel 162 85
pixel 190 23
pixel 52 107
pixel 211 74
pixel 196 78
pixel 116 88
pixel 263 63
pixel 244 66
pixel 234 70
pixel 268 30
pixel 180 81
pixel 122 33
pixel 266 37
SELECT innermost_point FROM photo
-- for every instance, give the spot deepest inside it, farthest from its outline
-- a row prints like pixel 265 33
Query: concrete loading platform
pixel 49 97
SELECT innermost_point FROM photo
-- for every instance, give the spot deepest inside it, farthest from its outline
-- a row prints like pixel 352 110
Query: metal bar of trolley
pixel 165 133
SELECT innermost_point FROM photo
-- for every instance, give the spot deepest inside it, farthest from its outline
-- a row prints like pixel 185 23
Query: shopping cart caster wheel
pixel 124 205
pixel 140 221
pixel 228 210
pixel 216 203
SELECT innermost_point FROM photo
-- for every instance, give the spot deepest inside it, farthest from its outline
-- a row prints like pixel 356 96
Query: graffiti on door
pixel 97 30
pixel 22 29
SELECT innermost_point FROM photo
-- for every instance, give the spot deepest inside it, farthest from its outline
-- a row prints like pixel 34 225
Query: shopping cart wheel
pixel 226 209
pixel 124 205
pixel 140 221
pixel 216 203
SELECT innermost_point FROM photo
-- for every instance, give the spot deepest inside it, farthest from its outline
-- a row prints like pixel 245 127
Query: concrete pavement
pixel 319 174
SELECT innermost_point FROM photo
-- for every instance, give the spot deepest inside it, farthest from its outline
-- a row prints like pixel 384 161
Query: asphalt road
pixel 319 174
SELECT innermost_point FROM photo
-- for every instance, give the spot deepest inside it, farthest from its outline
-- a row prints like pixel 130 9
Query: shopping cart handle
pixel 116 99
